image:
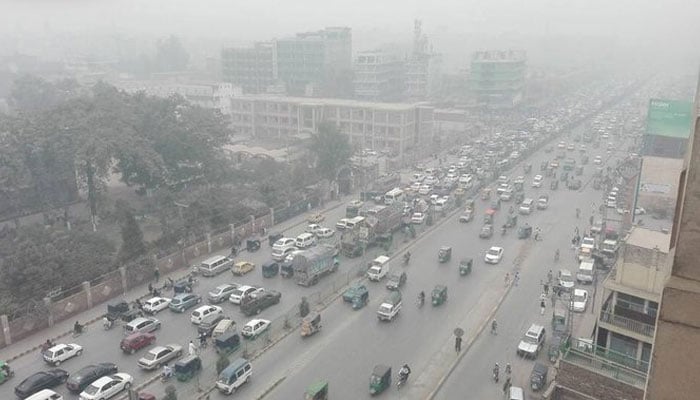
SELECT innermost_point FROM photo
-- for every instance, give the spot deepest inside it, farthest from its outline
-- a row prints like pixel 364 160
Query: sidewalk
pixel 63 328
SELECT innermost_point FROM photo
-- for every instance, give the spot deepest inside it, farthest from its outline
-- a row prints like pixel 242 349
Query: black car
pixel 40 381
pixel 78 381
pixel 253 304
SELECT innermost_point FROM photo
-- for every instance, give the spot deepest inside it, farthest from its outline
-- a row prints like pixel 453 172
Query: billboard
pixel 670 118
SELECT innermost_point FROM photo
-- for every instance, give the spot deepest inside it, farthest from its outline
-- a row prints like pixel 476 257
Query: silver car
pixel 222 292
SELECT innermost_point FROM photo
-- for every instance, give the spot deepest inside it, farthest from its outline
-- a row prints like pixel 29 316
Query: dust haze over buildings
pixel 571 31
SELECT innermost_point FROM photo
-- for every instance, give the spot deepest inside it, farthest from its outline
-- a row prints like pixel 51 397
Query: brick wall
pixel 572 379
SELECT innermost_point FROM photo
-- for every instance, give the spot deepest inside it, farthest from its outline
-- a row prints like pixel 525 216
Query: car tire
pixel 127 385
pixel 179 353
pixel 79 352
pixel 132 350
pixel 57 363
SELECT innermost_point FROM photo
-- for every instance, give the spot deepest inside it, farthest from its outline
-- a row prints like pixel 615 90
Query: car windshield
pixel 92 390
pixel 529 339
pixel 238 292
pixel 151 356
pixel 566 278
pixel 579 298
pixel 493 252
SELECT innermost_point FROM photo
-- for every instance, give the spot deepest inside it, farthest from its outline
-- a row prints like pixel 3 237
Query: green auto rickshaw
pixel 512 221
pixel 270 269
pixel 445 254
pixel 317 391
pixel 524 232
pixel 380 379
pixel 465 266
pixel 227 343
pixel 439 295
pixel 187 367
pixel 5 372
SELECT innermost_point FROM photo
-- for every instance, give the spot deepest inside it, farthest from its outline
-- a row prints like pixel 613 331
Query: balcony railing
pixel 627 323
pixel 609 363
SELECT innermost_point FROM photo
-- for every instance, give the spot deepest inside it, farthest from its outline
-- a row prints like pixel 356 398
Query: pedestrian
pixel 150 288
pixel 543 304
pixel 458 344
pixel 507 279
pixel 516 278
pixel 546 289
pixel 192 349
pixel 156 274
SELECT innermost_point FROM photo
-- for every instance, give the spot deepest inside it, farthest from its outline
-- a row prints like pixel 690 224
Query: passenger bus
pixel 393 195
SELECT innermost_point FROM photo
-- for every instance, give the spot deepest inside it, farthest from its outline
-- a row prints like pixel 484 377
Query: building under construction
pixel 497 78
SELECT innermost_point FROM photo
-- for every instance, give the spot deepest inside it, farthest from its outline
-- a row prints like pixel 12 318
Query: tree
pixel 132 237
pixel 31 94
pixel 332 150
pixel 171 55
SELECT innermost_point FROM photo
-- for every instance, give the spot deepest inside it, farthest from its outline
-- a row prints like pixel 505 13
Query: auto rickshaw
pixel 445 254
pixel 439 295
pixel 122 311
pixel 465 266
pixel 511 221
pixel 485 194
pixel 252 245
pixel 310 324
pixel 538 377
pixel 488 216
pixel 273 237
pixel 5 372
pixel 486 231
pixel 270 269
pixel 187 367
pixel 554 185
pixel 554 348
pixel 317 391
pixel 524 232
pixel 227 343
pixel 380 379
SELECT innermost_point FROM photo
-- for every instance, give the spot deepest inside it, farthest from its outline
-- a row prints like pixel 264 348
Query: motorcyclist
pixel 503 230
pixel 167 372
pixel 77 328
pixel 421 297
pixel 511 210
pixel 549 276
pixel 407 257
pixel 508 370
pixel 494 326
pixel 106 322
pixel 556 255
pixel 404 372
pixel 496 370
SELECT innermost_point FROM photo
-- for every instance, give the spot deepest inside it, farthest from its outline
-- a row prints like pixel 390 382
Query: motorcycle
pixel 165 377
pixel 401 379
pixel 107 323
pixel 420 301
pixel 495 375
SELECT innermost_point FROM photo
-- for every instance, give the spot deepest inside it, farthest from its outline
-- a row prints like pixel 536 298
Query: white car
pixel 580 300
pixel 159 355
pixel 156 304
pixel 417 218
pixel 598 160
pixel 566 280
pixel 204 311
pixel 283 243
pixel 537 181
pixel 325 232
pixel 431 180
pixel 425 189
pixel 241 292
pixel 255 327
pixel 107 386
pixel 588 242
pixel 494 255
pixel 312 228
pixel 415 186
pixel 62 352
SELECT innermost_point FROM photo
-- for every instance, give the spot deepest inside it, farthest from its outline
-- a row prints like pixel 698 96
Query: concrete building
pixel 658 186
pixel 254 69
pixel 379 76
pixel 498 78
pixel 615 366
pixel 395 127
pixel 668 128
pixel 212 95
pixel 313 63
pixel 676 351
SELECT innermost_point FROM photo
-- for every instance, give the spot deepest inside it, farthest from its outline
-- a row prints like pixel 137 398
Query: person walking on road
pixel 192 348
pixel 543 304
pixel 516 279
pixel 156 274
pixel 458 344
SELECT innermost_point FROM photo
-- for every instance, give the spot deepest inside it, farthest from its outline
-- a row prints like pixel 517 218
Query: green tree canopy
pixel 332 150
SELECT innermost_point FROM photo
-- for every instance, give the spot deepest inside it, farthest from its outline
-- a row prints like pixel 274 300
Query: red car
pixel 137 341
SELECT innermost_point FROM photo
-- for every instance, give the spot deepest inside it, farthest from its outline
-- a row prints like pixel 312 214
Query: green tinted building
pixel 497 78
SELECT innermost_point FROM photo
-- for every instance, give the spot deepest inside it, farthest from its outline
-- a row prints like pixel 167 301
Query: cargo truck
pixel 312 264
pixel 390 307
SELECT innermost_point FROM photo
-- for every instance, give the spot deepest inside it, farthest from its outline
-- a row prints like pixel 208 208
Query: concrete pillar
pixel 47 304
pixel 272 217
pixel 6 329
pixel 252 225
pixel 209 243
pixel 122 274
pixel 233 233
pixel 88 293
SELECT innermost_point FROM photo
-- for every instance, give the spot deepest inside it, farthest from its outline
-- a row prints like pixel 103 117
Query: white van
pixel 585 271
pixel 351 223
pixel 215 265
pixel 46 394
pixel 236 374
pixel 393 195
pixel 305 240
pixel 378 268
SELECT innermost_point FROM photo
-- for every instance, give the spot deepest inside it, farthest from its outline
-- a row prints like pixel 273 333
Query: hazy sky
pixel 246 20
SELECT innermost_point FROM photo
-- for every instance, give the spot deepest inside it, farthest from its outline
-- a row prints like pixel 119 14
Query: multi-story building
pixel 658 185
pixel 395 127
pixel 213 95
pixel 422 68
pixel 498 78
pixel 254 69
pixel 316 62
pixel 616 365
pixel 379 76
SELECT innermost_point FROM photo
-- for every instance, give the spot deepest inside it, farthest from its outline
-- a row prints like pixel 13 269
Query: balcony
pixel 628 324
pixel 609 363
